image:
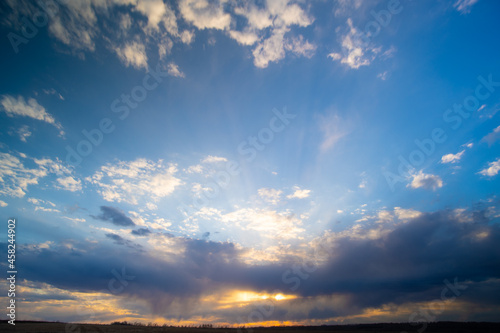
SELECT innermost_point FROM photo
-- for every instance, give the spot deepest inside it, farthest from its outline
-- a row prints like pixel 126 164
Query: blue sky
pixel 230 141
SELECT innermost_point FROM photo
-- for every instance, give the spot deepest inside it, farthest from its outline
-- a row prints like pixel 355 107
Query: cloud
pixel 70 184
pixel 213 159
pixel 174 70
pixel 3 204
pixel 270 195
pixel 464 6
pixel 141 232
pixel 134 181
pixel 492 169
pixel 355 52
pixel 133 54
pixel 300 46
pixel 115 216
pixel 204 14
pixel 350 274
pixel 23 132
pixel 299 193
pixel 267 26
pixel 266 223
pixel 492 137
pixel 452 158
pixel 425 181
pixel 31 109
pixel 15 177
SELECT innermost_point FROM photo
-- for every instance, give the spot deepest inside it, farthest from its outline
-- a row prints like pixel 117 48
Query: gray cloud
pixel 409 264
pixel 115 216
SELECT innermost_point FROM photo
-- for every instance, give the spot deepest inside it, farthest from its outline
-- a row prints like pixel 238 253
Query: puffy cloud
pixel 270 195
pixel 3 204
pixel 492 169
pixel 355 52
pixel 299 193
pixel 115 216
pixel 70 184
pixel 452 158
pixel 426 181
pixel 135 180
pixel 19 107
pixel 15 177
pixel 204 14
pixel 174 70
pixel 133 54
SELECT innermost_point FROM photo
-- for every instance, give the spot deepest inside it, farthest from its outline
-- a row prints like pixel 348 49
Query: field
pixel 439 327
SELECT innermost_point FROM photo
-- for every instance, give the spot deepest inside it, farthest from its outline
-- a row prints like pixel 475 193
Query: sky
pixel 251 162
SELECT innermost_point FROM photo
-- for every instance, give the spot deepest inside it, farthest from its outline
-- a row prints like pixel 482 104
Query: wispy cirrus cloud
pixel 19 107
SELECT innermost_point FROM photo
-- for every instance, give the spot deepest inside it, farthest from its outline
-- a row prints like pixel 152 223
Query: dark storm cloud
pixel 115 216
pixel 408 264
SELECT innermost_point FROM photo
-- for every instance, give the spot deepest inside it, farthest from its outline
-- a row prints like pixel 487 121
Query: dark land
pixel 435 327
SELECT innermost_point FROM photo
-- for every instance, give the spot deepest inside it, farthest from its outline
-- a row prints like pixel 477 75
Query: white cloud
pixel 23 132
pixel 48 210
pixel 244 37
pixel 18 107
pixel 73 219
pixel 452 158
pixel 151 206
pixel 204 14
pixel 39 202
pixel 213 159
pixel 173 70
pixel 198 168
pixel 270 50
pixel 3 204
pixel 70 184
pixel 268 223
pixel 15 177
pixel 355 52
pixel 136 180
pixel 464 6
pixel 492 169
pixel 270 195
pixel 299 193
pixel 406 214
pixel 133 54
pixel 267 27
pixel 300 47
pixel 426 181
